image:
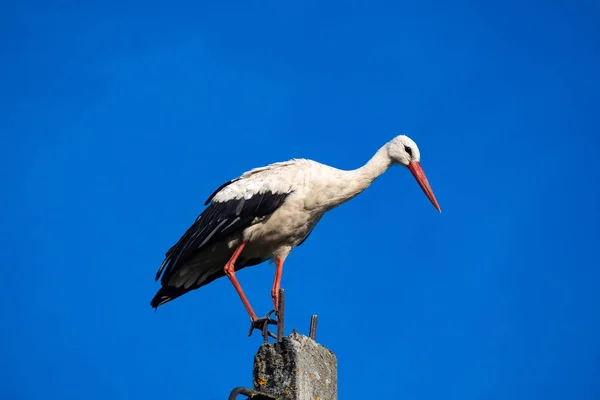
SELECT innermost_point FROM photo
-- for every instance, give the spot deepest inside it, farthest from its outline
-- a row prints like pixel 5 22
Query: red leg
pixel 277 283
pixel 230 272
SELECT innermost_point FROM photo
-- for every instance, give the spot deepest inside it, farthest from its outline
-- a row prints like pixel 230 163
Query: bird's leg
pixel 277 283
pixel 260 323
pixel 230 272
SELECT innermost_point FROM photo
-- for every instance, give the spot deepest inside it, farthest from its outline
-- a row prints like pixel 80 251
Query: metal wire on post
pixel 251 394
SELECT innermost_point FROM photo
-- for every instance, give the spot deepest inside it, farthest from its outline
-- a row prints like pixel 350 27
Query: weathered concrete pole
pixel 297 369
pixel 293 368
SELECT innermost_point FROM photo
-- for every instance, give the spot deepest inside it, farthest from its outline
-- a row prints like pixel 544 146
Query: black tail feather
pixel 167 293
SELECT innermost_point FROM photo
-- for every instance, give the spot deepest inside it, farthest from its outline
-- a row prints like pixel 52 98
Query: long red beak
pixel 417 171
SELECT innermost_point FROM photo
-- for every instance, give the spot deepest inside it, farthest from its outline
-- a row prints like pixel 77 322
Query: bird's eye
pixel 408 150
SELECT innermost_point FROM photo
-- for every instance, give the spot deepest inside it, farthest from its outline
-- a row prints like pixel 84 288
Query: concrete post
pixel 301 370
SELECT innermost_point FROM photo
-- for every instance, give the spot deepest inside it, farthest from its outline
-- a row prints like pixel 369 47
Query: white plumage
pixel 277 178
pixel 266 213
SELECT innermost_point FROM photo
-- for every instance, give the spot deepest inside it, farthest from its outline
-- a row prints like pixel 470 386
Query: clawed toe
pixel 262 324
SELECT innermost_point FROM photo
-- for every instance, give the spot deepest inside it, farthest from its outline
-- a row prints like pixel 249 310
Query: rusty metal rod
pixel 280 319
pixel 313 327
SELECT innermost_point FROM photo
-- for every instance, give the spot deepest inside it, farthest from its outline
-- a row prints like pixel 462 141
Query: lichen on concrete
pixel 301 370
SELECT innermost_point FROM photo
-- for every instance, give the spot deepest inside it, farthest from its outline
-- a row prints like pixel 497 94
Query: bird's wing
pixel 280 177
pixel 233 207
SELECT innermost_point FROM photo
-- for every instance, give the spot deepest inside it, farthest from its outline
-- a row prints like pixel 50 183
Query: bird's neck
pixel 376 166
pixel 364 176
pixel 353 182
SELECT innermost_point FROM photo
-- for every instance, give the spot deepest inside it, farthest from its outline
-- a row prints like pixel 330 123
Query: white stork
pixel 267 212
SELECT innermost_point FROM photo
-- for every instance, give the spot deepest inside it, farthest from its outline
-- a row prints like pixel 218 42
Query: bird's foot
pixel 263 325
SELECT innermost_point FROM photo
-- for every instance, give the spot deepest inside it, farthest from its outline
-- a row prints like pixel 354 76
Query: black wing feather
pixel 219 220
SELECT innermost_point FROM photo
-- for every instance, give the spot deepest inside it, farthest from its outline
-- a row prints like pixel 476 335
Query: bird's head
pixel 404 151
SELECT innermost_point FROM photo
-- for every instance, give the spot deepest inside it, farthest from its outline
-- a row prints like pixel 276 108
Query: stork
pixel 267 212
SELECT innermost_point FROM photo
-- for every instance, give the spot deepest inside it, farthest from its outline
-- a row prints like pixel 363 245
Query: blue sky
pixel 120 118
